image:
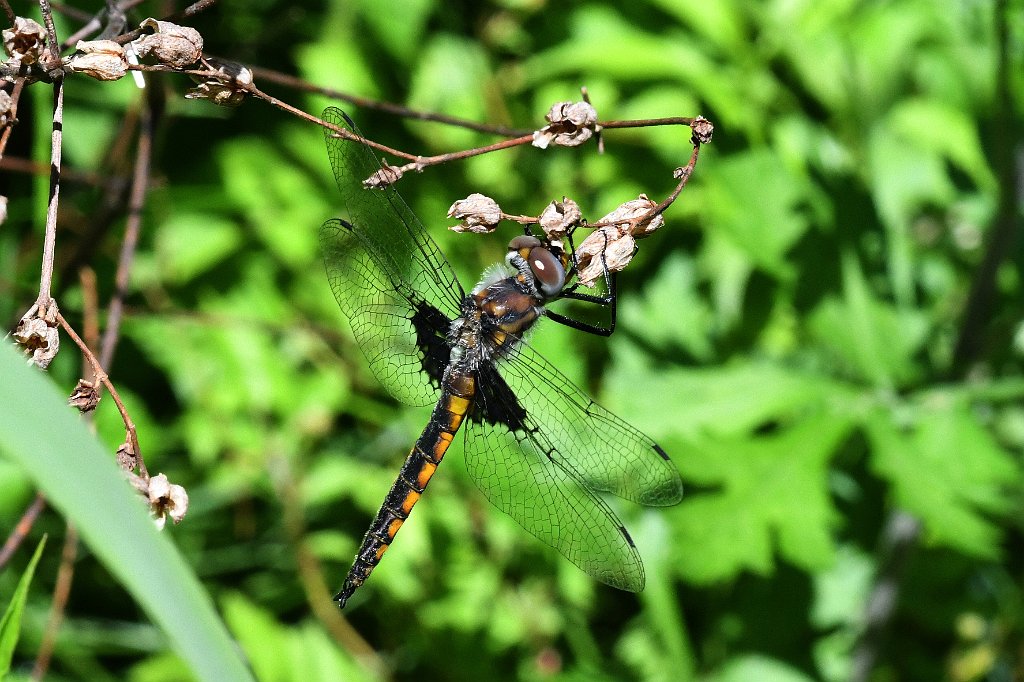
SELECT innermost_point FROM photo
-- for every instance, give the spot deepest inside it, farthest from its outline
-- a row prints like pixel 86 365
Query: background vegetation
pixel 826 338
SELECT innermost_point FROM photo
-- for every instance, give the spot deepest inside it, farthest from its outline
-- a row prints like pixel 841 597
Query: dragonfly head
pixel 542 261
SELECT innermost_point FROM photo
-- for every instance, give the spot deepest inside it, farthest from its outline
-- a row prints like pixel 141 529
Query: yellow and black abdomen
pixel 458 390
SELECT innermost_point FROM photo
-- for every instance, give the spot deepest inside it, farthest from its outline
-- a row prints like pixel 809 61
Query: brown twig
pixel 21 529
pixel 50 239
pixel 376 105
pixel 136 201
pixel 11 16
pixel 61 592
pixel 101 376
pixel 12 116
pixel 51 32
pixel 16 164
pixel 190 11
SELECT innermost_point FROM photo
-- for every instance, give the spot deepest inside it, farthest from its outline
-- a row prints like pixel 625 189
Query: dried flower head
pixel 614 244
pixel 38 336
pixel 25 40
pixel 559 216
pixel 126 457
pixel 227 89
pixel 166 500
pixel 604 247
pixel 170 44
pixel 385 177
pixel 103 60
pixel 6 104
pixel 570 124
pixel 702 130
pixel 476 213
pixel 636 217
pixel 85 396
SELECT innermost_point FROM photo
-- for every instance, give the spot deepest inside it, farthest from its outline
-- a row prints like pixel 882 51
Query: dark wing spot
pixel 625 534
pixel 496 403
pixel 431 327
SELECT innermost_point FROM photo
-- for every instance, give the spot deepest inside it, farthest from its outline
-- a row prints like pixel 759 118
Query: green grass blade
pixel 39 432
pixel 10 624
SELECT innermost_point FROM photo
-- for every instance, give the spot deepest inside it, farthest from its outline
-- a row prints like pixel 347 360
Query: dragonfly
pixel 535 444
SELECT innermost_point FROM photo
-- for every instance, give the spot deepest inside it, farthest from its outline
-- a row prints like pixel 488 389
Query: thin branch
pixel 16 164
pixel 376 105
pixel 101 376
pixel 11 16
pixel 51 32
pixel 22 529
pixel 140 182
pixel 12 115
pixel 1002 237
pixel 189 11
pixel 61 592
pixel 899 538
pixel 50 239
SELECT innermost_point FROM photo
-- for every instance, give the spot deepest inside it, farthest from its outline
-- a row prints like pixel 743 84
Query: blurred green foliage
pixel 797 338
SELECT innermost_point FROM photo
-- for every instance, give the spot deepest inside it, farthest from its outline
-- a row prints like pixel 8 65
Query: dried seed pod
pixel 128 460
pixel 559 216
pixel 103 60
pixel 25 40
pixel 570 125
pixel 617 248
pixel 385 177
pixel 228 89
pixel 170 44
pixel 85 397
pixel 634 217
pixel 39 338
pixel 476 213
pixel 702 130
pixel 166 500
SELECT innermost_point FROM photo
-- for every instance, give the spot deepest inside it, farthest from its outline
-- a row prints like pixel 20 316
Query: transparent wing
pixel 514 473
pixel 541 450
pixel 390 278
pixel 401 335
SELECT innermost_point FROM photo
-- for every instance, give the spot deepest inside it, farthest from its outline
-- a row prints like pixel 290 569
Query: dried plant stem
pixel 8 12
pixel 61 592
pixel 19 85
pixel 22 528
pixel 136 202
pixel 50 239
pixel 376 105
pixel 101 377
pixel 191 10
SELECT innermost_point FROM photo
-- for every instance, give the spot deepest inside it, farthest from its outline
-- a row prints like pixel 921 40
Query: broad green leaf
pixel 766 493
pixel 724 401
pixel 190 244
pixel 947 469
pixel 10 624
pixel 754 200
pixel 450 77
pixel 869 339
pixel 83 482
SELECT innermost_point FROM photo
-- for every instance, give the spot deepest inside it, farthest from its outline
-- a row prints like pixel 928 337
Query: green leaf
pixel 10 624
pixel 870 339
pixel 303 652
pixel 947 469
pixel 82 481
pixel 753 200
pixel 770 492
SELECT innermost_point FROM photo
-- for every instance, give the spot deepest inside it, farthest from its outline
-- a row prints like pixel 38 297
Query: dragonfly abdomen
pixel 458 389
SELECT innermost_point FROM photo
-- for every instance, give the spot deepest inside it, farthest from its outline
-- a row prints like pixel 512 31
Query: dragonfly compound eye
pixel 547 270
